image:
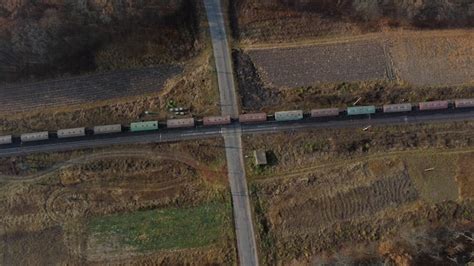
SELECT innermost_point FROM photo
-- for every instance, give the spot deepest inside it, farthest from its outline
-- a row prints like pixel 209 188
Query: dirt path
pixel 208 173
pixel 306 170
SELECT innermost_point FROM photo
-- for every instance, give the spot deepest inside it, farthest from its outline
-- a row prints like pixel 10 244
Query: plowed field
pixel 84 89
pixel 433 58
pixel 307 66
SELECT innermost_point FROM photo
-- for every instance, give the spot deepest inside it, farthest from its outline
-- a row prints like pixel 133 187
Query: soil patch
pixel 465 175
pixel 434 58
pixel 307 66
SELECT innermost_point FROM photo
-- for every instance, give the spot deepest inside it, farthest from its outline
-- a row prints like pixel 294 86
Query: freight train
pixel 292 115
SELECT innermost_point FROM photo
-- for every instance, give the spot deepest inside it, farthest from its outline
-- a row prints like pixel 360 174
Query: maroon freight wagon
pixel 179 123
pixel 216 120
pixel 464 103
pixel 325 112
pixel 435 105
pixel 254 117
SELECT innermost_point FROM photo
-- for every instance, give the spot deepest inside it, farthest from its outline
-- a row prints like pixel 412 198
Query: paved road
pixel 223 59
pixel 213 132
pixel 246 244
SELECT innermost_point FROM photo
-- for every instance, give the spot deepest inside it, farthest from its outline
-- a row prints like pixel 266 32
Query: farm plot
pixel 118 205
pixel 84 89
pixel 325 190
pixel 328 63
pixel 434 58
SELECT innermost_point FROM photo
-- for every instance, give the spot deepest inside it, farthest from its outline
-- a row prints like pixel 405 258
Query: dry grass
pixel 433 175
pixel 65 193
pixel 323 191
pixel 465 175
pixel 434 58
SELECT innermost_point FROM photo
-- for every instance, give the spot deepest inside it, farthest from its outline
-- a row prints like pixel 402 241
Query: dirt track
pixel 83 89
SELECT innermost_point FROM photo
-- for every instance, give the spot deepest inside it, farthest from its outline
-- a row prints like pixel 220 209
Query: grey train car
pixel 464 103
pixel 36 136
pixel 71 132
pixel 6 139
pixel 397 108
pixel 107 129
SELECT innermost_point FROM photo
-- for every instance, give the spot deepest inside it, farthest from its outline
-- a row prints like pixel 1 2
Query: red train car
pixel 179 123
pixel 464 103
pixel 252 118
pixel 216 120
pixel 435 105
pixel 325 112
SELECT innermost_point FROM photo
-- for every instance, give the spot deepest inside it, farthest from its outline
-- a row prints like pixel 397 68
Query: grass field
pixel 170 228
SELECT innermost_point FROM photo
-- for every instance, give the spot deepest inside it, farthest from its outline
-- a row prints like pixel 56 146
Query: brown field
pixel 307 66
pixel 325 190
pixel 84 89
pixel 419 58
pixel 284 76
pixel 49 210
pixel 195 89
pixel 434 58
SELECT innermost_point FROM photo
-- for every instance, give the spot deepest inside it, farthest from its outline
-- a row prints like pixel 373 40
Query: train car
pixel 107 129
pixel 253 117
pixel 6 139
pixel 289 115
pixel 216 120
pixel 434 105
pixel 144 126
pixel 464 103
pixel 326 112
pixel 361 110
pixel 36 136
pixel 180 123
pixel 397 108
pixel 72 132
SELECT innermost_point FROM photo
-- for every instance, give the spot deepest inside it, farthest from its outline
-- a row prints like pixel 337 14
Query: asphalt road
pixel 246 244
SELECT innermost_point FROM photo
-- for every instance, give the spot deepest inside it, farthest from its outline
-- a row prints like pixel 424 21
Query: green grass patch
pixel 165 229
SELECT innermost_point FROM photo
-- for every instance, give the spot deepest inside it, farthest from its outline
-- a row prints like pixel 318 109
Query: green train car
pixel 361 110
pixel 144 126
pixel 289 115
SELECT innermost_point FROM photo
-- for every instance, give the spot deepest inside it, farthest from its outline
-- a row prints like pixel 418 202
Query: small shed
pixel 260 157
